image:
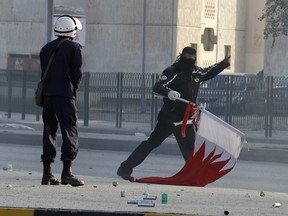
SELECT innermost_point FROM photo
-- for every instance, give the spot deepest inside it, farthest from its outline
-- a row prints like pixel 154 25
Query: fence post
pixel 9 94
pixel 37 113
pixel 268 110
pixel 152 103
pixel 24 84
pixel 37 107
pixel 119 100
pixel 155 112
pixel 227 107
pixel 271 109
pixel 86 97
pixel 230 98
pixel 143 98
pixel 267 106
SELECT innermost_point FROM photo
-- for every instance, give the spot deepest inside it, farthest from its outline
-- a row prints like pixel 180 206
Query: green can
pixel 164 198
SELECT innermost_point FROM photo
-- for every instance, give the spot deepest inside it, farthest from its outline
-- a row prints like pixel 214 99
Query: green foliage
pixel 275 13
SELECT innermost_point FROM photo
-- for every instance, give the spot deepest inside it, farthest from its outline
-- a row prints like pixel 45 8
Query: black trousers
pixel 159 134
pixel 62 111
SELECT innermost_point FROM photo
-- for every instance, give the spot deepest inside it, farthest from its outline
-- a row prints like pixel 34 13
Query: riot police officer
pixel 59 101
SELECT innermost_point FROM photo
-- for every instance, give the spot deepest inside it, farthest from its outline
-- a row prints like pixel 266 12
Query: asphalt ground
pixel 21 194
pixel 105 136
pixel 25 196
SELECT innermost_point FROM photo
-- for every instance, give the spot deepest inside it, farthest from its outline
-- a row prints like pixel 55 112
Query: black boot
pixel 125 172
pixel 48 178
pixel 67 177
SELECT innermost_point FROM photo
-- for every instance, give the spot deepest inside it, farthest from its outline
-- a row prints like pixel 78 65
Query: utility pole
pixel 48 19
pixel 143 100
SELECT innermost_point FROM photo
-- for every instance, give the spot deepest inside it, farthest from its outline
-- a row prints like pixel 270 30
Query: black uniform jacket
pixel 187 84
pixel 65 72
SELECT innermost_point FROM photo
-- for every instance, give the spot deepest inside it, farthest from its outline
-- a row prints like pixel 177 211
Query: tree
pixel 275 13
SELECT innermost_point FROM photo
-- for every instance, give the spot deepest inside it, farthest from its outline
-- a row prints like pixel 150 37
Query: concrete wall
pixel 254 39
pixel 188 24
pixel 21 28
pixel 238 26
pixel 114 32
pixel 276 63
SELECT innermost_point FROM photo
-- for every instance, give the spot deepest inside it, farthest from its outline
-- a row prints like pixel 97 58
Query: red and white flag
pixel 216 150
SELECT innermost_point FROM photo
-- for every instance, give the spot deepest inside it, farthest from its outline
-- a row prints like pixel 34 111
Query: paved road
pixel 105 137
pixel 255 175
pixel 263 168
pixel 238 192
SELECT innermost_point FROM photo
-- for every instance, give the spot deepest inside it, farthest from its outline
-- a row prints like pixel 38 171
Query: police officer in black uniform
pixel 59 106
pixel 182 79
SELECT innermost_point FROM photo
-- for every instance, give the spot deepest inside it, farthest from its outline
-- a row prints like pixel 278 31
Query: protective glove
pixel 173 95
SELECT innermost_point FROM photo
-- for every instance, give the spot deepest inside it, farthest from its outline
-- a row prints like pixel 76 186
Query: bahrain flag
pixel 216 150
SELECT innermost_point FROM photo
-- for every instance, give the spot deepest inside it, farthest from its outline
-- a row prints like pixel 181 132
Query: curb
pixel 69 212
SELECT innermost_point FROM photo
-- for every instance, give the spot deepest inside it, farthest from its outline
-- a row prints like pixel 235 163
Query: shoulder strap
pixel 52 57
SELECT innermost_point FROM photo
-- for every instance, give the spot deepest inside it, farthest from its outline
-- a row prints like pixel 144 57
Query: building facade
pixel 276 56
pixel 141 36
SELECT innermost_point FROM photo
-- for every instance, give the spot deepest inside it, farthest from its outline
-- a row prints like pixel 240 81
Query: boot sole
pixel 72 184
pixel 50 183
pixel 128 178
pixel 125 176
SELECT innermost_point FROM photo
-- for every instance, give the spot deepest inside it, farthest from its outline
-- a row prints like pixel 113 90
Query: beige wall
pixel 239 27
pixel 188 23
pixel 115 34
pixel 254 42
pixel 276 63
pixel 114 31
pixel 21 28
pixel 231 30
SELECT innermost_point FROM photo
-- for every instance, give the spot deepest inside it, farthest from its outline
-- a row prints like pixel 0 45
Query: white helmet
pixel 66 26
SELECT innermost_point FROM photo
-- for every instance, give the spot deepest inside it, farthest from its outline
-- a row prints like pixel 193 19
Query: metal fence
pixel 127 97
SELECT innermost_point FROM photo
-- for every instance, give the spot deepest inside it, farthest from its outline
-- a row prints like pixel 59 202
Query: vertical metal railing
pixel 119 100
pixel 117 97
pixel 9 110
pixel 24 85
pixel 230 95
pixel 86 98
pixel 268 108
pixel 38 109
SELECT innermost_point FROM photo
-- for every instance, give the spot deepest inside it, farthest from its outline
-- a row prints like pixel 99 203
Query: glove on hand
pixel 173 95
